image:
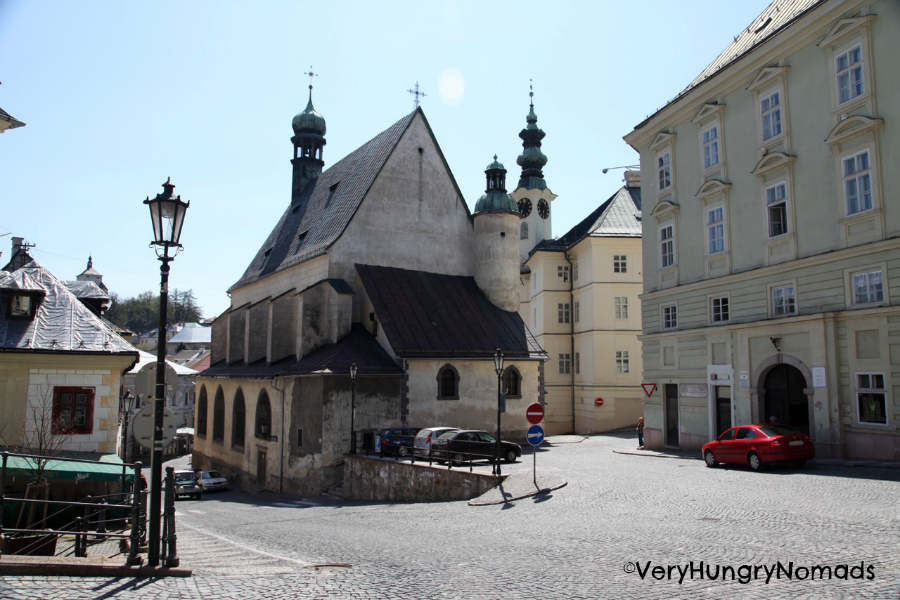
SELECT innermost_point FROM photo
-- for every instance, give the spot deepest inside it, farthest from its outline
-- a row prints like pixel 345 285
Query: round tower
pixel 496 241
pixel 309 142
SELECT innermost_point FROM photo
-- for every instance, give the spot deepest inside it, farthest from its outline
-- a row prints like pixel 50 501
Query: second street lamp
pixel 498 367
pixel 352 408
pixel 167 214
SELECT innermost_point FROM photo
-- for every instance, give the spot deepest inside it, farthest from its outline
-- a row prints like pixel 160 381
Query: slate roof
pixel 359 346
pixel 61 321
pixel 777 17
pixel 619 216
pixel 326 206
pixel 428 315
pixel 192 335
pixel 13 122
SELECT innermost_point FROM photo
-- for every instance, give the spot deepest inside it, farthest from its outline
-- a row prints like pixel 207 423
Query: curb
pixel 831 462
pixel 656 455
pixel 89 569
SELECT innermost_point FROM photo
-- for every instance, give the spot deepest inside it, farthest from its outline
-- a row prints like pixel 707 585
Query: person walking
pixel 640 432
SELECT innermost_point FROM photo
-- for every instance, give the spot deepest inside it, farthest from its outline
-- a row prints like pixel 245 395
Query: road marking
pixel 244 546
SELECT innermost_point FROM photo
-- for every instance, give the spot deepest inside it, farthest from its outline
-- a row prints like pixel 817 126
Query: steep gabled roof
pixel 777 17
pixel 192 335
pixel 61 322
pixel 316 220
pixel 430 315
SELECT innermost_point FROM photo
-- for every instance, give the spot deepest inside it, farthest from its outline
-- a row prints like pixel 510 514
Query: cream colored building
pixel 771 228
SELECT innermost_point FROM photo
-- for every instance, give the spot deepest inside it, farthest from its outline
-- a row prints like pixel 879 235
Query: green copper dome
pixel 495 198
pixel 532 159
pixel 309 121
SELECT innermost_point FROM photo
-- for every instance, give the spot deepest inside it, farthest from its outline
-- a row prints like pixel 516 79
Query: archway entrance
pixel 785 397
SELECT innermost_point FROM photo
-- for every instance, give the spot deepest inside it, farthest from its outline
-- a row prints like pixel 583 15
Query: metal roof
pixel 192 335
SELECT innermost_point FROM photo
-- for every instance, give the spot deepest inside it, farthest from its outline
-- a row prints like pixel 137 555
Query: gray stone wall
pixel 372 479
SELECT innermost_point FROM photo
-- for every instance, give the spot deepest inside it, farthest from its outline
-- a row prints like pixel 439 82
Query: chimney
pixel 17 243
pixel 633 179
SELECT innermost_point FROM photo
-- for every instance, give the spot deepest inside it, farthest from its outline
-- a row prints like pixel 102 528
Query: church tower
pixel 309 140
pixel 497 219
pixel 91 274
pixel 532 195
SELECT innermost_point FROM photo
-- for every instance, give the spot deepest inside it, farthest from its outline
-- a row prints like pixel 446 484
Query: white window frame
pixel 719 310
pixel 669 316
pixel 715 230
pixel 563 312
pixel 577 311
pixel 623 362
pixel 562 272
pixel 771 116
pixel 773 202
pixel 565 363
pixel 856 177
pixel 621 307
pixel 667 246
pixel 620 263
pixel 664 170
pixel 873 280
pixel 578 363
pixel 709 151
pixel 575 271
pixel 847 72
pixel 778 296
pixel 866 384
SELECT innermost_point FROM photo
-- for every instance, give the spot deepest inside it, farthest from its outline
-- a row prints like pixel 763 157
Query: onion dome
pixel 532 160
pixel 309 121
pixel 495 198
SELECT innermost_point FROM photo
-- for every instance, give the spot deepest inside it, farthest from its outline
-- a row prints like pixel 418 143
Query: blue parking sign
pixel 535 435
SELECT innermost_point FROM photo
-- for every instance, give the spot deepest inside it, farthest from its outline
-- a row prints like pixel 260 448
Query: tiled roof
pixel 619 216
pixel 312 223
pixel 779 15
pixel 431 315
pixel 359 346
pixel 61 322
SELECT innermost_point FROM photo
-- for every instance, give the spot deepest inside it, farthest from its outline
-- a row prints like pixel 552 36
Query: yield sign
pixel 534 413
pixel 649 388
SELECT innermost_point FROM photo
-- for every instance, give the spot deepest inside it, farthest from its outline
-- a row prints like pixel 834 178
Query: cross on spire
pixel 311 75
pixel 531 93
pixel 417 93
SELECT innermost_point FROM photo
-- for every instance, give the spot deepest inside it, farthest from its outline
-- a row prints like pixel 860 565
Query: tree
pixel 142 313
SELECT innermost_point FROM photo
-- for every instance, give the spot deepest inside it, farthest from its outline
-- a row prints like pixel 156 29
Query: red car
pixel 758 445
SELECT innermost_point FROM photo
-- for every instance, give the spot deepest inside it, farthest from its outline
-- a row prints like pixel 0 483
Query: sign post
pixel 535 436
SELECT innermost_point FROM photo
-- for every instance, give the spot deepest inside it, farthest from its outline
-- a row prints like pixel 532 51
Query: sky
pixel 119 96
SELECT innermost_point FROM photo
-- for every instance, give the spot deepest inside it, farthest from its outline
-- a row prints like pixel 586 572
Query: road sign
pixel 598 402
pixel 142 429
pixel 535 435
pixel 649 388
pixel 534 413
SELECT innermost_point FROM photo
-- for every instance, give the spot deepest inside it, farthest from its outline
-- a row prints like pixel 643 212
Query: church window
pixel 523 232
pixel 263 416
pixel 218 432
pixel 448 383
pixel 201 413
pixel 512 381
pixel 238 421
pixel 565 364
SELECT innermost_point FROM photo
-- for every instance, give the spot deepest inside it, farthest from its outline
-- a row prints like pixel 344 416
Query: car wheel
pixel 403 451
pixel 457 458
pixel 754 461
pixel 710 459
pixel 510 456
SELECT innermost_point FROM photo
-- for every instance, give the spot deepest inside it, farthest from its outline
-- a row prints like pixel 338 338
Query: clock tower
pixel 532 194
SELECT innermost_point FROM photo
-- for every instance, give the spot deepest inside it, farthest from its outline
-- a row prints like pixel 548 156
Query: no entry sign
pixel 534 413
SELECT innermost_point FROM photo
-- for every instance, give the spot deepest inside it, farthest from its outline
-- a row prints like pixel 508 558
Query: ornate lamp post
pixel 352 408
pixel 498 367
pixel 167 213
pixel 127 407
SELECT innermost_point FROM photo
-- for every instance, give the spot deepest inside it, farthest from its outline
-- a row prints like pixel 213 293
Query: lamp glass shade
pixel 498 361
pixel 353 371
pixel 167 215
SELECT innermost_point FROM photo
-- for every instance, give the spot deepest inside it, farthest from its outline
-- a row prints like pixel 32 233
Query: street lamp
pixel 167 213
pixel 498 366
pixel 352 407
pixel 127 407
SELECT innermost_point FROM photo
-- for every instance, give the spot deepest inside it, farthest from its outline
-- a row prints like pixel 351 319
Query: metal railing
pixel 440 456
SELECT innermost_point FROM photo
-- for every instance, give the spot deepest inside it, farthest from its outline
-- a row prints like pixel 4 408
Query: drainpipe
pixel 281 468
pixel 572 329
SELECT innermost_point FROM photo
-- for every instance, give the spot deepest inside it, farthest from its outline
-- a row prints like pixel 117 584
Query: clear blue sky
pixel 118 96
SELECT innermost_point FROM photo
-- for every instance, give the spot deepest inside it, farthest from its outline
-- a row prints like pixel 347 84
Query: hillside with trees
pixel 141 314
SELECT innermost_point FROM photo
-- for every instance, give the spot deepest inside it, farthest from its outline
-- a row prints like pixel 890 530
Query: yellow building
pixel 771 234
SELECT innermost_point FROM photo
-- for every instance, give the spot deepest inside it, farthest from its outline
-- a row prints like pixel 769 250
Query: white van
pixel 423 439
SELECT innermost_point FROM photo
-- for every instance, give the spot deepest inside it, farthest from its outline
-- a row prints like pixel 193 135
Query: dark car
pixel 758 445
pixel 398 441
pixel 471 444
pixel 186 485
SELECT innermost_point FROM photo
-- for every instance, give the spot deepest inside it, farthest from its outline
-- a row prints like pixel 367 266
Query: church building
pixel 377 300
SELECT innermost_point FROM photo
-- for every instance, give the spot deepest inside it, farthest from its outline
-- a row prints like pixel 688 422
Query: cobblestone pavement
pixel 619 529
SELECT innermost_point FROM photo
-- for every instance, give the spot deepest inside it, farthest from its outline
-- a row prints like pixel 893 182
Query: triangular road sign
pixel 649 388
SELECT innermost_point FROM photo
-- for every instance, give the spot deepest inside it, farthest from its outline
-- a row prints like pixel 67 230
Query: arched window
pixel 238 420
pixel 512 382
pixel 448 383
pixel 201 412
pixel 524 233
pixel 218 434
pixel 263 416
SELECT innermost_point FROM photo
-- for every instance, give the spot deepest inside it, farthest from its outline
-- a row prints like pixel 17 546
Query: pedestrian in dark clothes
pixel 640 431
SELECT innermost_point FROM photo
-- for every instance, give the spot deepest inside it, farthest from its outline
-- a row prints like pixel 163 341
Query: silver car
pixel 423 439
pixel 211 481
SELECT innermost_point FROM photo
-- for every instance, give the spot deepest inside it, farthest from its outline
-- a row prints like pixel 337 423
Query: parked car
pixel 398 441
pixel 211 481
pixel 759 445
pixel 186 485
pixel 471 444
pixel 423 439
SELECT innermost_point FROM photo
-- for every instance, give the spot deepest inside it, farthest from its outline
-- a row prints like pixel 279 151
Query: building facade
pixel 771 235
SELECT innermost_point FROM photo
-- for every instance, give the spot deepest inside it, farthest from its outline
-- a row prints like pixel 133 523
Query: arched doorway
pixel 785 397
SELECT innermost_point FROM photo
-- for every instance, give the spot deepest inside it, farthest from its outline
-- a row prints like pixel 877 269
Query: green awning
pixel 110 469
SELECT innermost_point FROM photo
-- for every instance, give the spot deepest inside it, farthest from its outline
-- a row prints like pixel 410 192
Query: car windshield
pixel 446 435
pixel 776 430
pixel 186 476
pixel 212 475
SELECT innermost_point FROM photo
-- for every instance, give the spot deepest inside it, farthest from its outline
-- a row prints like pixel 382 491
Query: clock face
pixel 525 207
pixel 543 208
